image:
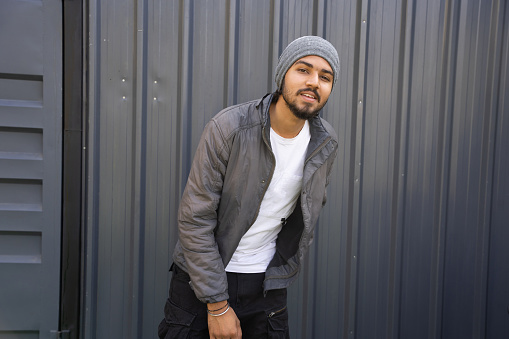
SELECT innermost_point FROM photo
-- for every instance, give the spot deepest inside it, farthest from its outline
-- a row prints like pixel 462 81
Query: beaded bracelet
pixel 220 314
pixel 220 308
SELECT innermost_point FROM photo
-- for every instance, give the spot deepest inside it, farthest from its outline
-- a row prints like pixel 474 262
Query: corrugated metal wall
pixel 412 242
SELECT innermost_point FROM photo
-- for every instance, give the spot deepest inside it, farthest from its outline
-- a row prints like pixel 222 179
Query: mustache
pixel 310 90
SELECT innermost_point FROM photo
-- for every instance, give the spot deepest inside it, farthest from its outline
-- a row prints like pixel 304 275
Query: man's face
pixel 307 86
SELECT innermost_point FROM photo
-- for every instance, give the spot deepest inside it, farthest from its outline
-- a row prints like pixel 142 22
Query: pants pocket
pixel 176 322
pixel 278 324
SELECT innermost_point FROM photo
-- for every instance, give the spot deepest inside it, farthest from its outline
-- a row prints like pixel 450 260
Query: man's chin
pixel 302 110
pixel 305 114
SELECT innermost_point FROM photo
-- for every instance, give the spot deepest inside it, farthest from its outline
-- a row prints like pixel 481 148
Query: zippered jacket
pixel 231 171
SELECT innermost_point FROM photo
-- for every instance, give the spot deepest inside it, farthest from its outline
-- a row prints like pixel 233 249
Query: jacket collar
pixel 316 128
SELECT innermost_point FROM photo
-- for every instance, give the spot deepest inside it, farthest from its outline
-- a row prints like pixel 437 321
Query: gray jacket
pixel 231 171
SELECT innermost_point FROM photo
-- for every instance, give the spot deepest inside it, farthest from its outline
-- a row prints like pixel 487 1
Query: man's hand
pixel 226 326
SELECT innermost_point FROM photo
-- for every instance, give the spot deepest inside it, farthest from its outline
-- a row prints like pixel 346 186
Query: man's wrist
pixel 219 308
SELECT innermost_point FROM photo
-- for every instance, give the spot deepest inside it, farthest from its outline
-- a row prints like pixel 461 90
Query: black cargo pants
pixel 260 316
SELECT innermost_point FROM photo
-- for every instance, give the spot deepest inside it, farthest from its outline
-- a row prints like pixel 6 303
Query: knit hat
pixel 304 46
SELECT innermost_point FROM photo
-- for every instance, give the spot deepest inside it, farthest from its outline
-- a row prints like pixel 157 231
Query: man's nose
pixel 312 80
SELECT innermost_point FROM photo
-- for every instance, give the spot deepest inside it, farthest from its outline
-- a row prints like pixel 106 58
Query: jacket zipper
pixel 319 148
pixel 270 177
pixel 271 314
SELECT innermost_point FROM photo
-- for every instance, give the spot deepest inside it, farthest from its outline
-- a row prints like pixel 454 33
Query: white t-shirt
pixel 258 245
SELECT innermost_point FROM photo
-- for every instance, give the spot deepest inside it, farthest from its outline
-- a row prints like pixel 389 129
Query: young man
pixel 247 216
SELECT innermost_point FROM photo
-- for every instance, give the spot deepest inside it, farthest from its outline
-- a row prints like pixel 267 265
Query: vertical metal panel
pixel 497 321
pixel 472 164
pixel 30 167
pixel 411 241
pixel 112 195
pixel 72 165
pixel 165 118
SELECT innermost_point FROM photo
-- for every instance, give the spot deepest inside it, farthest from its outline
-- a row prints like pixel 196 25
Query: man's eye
pixel 326 78
pixel 302 70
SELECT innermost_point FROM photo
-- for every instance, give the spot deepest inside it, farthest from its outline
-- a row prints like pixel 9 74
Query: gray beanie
pixel 304 46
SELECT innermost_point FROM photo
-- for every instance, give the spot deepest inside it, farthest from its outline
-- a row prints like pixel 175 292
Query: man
pixel 247 216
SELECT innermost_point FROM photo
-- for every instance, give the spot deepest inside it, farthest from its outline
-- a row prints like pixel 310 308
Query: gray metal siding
pixel 412 241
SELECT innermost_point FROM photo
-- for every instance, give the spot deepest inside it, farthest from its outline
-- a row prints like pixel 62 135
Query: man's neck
pixel 283 121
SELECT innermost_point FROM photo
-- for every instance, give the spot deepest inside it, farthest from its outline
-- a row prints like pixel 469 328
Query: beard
pixel 306 112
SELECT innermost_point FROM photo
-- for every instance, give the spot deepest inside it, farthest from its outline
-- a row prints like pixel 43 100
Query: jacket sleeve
pixel 197 216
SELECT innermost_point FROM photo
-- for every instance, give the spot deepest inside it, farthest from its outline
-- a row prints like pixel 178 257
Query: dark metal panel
pixel 70 292
pixel 117 115
pixel 497 305
pixel 470 189
pixel 425 136
pixel 165 155
pixel 254 31
pixel 416 201
pixel 112 98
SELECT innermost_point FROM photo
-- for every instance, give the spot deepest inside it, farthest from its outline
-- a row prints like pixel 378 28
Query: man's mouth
pixel 311 95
